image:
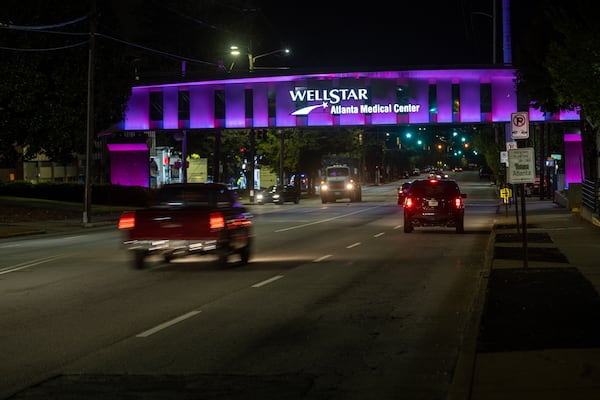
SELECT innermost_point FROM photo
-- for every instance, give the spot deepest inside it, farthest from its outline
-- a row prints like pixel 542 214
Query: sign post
pixel 522 171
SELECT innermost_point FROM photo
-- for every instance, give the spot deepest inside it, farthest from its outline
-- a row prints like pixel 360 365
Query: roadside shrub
pixel 75 192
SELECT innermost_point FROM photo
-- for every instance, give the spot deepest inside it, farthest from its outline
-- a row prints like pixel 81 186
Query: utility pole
pixel 251 183
pixel 281 151
pixel 87 196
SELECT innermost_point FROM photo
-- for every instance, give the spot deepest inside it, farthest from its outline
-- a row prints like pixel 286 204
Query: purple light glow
pixel 235 113
pixel 261 107
pixel 420 97
pixel 572 159
pixel 444 100
pixel 127 147
pixel 202 107
pixel 129 164
pixel 382 84
pixel 470 106
pixel 171 115
pixel 137 113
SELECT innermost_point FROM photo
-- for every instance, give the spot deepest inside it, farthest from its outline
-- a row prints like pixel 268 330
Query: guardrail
pixel 590 195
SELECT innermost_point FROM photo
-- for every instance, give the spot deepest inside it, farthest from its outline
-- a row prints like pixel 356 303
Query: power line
pixel 196 20
pixel 44 29
pixel 45 49
pixel 40 27
pixel 155 51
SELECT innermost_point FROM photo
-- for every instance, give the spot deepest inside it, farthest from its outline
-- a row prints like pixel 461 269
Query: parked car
pixel 402 192
pixel 303 181
pixel 279 194
pixel 437 174
pixel 434 202
pixel 485 173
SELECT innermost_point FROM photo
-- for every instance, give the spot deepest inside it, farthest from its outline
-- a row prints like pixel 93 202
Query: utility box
pixel 574 196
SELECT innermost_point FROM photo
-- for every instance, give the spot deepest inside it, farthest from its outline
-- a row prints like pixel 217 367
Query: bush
pixel 75 192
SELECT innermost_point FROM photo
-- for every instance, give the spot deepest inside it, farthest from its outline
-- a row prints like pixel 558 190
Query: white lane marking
pixel 323 258
pixel 7 246
pixel 353 245
pixel 321 221
pixel 259 284
pixel 32 263
pixel 379 234
pixel 167 324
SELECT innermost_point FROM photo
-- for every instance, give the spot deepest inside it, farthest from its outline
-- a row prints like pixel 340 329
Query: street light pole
pixel 494 33
pixel 252 58
pixel 494 28
pixel 281 151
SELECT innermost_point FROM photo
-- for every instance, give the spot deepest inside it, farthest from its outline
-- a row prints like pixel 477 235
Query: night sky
pixel 387 34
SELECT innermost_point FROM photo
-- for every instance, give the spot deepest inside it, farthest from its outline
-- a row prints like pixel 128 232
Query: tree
pixel 489 146
pixel 303 148
pixel 44 92
pixel 561 68
pixel 44 49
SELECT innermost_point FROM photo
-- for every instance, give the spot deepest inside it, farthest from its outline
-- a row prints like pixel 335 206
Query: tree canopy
pixel 559 65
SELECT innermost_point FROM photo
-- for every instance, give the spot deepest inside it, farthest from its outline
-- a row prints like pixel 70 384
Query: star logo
pixel 307 110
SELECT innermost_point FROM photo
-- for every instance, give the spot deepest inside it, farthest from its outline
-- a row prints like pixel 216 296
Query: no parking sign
pixel 519 125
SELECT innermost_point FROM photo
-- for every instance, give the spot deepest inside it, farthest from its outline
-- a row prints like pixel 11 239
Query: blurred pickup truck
pixel 189 218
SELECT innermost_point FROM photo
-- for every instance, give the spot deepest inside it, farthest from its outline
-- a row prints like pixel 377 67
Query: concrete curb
pixel 462 381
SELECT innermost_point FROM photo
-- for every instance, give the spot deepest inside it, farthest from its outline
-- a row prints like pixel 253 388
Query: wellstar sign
pixel 332 97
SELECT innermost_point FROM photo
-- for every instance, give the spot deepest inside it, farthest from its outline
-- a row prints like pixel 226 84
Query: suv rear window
pixel 434 188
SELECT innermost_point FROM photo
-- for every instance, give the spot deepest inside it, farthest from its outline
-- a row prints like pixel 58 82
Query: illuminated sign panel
pixel 334 102
pixel 335 99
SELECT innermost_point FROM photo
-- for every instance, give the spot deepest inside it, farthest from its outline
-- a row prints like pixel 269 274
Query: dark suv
pixel 279 194
pixel 434 202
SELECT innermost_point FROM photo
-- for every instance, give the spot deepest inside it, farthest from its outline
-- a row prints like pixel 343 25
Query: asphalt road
pixel 337 303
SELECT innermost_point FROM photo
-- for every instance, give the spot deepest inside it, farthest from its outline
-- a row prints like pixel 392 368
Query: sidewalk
pixel 8 230
pixel 535 331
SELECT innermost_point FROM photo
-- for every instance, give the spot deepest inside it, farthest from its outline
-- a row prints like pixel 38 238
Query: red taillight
pixel 458 202
pixel 408 202
pixel 217 221
pixel 127 220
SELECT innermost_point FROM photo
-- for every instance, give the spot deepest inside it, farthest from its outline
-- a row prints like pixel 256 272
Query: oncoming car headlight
pixel 350 185
pixel 259 196
pixel 324 187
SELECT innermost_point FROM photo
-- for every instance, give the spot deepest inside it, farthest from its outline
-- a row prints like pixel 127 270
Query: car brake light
pixel 217 221
pixel 127 220
pixel 458 202
pixel 408 203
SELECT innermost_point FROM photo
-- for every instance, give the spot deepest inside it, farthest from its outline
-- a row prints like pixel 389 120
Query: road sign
pixel 521 165
pixel 505 193
pixel 519 125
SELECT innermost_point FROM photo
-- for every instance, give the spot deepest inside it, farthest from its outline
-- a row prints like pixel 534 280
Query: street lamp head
pixel 235 51
pixel 285 51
